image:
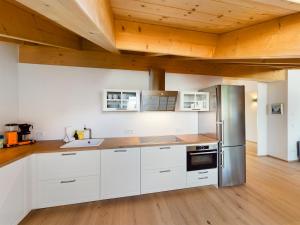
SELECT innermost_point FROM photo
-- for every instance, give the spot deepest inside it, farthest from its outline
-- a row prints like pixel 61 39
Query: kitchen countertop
pixel 10 155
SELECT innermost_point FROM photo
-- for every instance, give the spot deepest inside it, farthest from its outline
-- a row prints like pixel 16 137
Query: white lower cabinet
pixel 53 179
pixel 163 168
pixel 68 191
pixel 120 173
pixel 67 164
pixel 13 191
pixel 202 178
pixel 66 178
pixel 163 179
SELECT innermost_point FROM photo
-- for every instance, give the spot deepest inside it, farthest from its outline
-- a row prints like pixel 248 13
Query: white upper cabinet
pixel 194 101
pixel 121 100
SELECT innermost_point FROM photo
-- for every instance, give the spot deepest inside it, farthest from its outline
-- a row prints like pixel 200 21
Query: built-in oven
pixel 201 157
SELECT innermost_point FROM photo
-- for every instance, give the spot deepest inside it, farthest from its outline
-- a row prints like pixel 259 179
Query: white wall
pixel 9 84
pixel 277 124
pixel 293 124
pixel 250 106
pixel 53 97
pixel 262 119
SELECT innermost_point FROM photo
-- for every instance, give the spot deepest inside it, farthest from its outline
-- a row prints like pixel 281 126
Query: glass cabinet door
pixel 129 100
pixel 194 101
pixel 113 100
pixel 189 100
pixel 202 101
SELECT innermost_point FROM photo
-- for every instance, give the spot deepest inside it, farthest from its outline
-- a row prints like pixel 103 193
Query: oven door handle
pixel 203 153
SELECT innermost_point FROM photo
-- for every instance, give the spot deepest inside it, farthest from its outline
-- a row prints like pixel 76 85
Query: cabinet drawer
pixel 202 178
pixel 163 157
pixel 67 191
pixel 68 164
pixel 120 173
pixel 163 179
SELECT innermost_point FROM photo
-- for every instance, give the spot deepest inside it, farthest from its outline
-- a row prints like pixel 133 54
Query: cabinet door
pixel 112 100
pixel 12 189
pixel 202 101
pixel 67 191
pixel 202 178
pixel 163 156
pixel 130 101
pixel 120 173
pixel 163 168
pixel 188 100
pixel 163 179
pixel 68 164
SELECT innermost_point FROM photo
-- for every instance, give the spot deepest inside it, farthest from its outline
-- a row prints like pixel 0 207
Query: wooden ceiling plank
pixel 284 4
pixel 278 38
pixel 165 11
pixel 165 40
pixel 217 16
pixel 55 56
pixel 169 21
pixel 22 25
pixel 91 19
pixel 220 6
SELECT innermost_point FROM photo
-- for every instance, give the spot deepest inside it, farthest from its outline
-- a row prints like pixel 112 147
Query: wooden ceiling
pixel 237 38
pixel 213 16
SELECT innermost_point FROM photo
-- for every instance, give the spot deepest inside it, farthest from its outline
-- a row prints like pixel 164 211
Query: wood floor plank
pixel 270 197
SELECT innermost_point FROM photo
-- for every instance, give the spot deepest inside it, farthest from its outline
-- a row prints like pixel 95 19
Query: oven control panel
pixel 204 147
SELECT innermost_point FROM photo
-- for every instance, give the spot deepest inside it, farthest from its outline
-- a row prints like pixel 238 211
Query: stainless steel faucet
pixel 90 131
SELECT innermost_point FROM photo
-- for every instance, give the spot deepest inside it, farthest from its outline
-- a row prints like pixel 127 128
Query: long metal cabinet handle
pixel 165 171
pixel 66 154
pixel 120 151
pixel 164 147
pixel 67 181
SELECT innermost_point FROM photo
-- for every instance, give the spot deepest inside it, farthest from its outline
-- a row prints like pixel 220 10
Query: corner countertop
pixel 10 155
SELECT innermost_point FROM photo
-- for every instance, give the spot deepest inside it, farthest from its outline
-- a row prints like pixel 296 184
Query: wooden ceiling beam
pixel 284 4
pixel 56 56
pixel 150 38
pixel 278 61
pixel 278 38
pixel 23 26
pixel 92 20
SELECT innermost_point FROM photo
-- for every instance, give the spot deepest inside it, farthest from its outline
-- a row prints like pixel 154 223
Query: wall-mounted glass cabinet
pixel 121 100
pixel 194 101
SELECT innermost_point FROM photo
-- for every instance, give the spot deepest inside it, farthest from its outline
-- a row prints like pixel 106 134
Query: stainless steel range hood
pixel 157 99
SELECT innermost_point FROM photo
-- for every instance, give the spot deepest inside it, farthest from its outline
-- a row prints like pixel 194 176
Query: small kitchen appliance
pixel 11 135
pixel 24 134
pixel 202 157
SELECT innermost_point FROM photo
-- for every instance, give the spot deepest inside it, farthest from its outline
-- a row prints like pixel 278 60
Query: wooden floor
pixel 270 197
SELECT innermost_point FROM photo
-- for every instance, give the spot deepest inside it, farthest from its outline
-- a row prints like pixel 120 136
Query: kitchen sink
pixel 83 143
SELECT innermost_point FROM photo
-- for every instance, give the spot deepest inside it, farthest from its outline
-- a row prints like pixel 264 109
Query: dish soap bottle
pixel 76 135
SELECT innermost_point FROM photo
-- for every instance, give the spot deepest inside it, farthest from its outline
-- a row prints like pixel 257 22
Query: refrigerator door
pixel 232 166
pixel 231 115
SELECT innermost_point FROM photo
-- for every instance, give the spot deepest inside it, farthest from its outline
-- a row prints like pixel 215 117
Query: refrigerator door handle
pixel 221 123
pixel 222 158
pixel 223 141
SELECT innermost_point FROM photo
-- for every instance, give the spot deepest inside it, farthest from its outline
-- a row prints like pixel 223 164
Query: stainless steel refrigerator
pixel 227 109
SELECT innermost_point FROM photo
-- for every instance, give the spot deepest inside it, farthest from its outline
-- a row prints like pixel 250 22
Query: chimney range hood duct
pixel 157 99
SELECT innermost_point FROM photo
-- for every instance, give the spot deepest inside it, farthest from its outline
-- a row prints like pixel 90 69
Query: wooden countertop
pixel 10 155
